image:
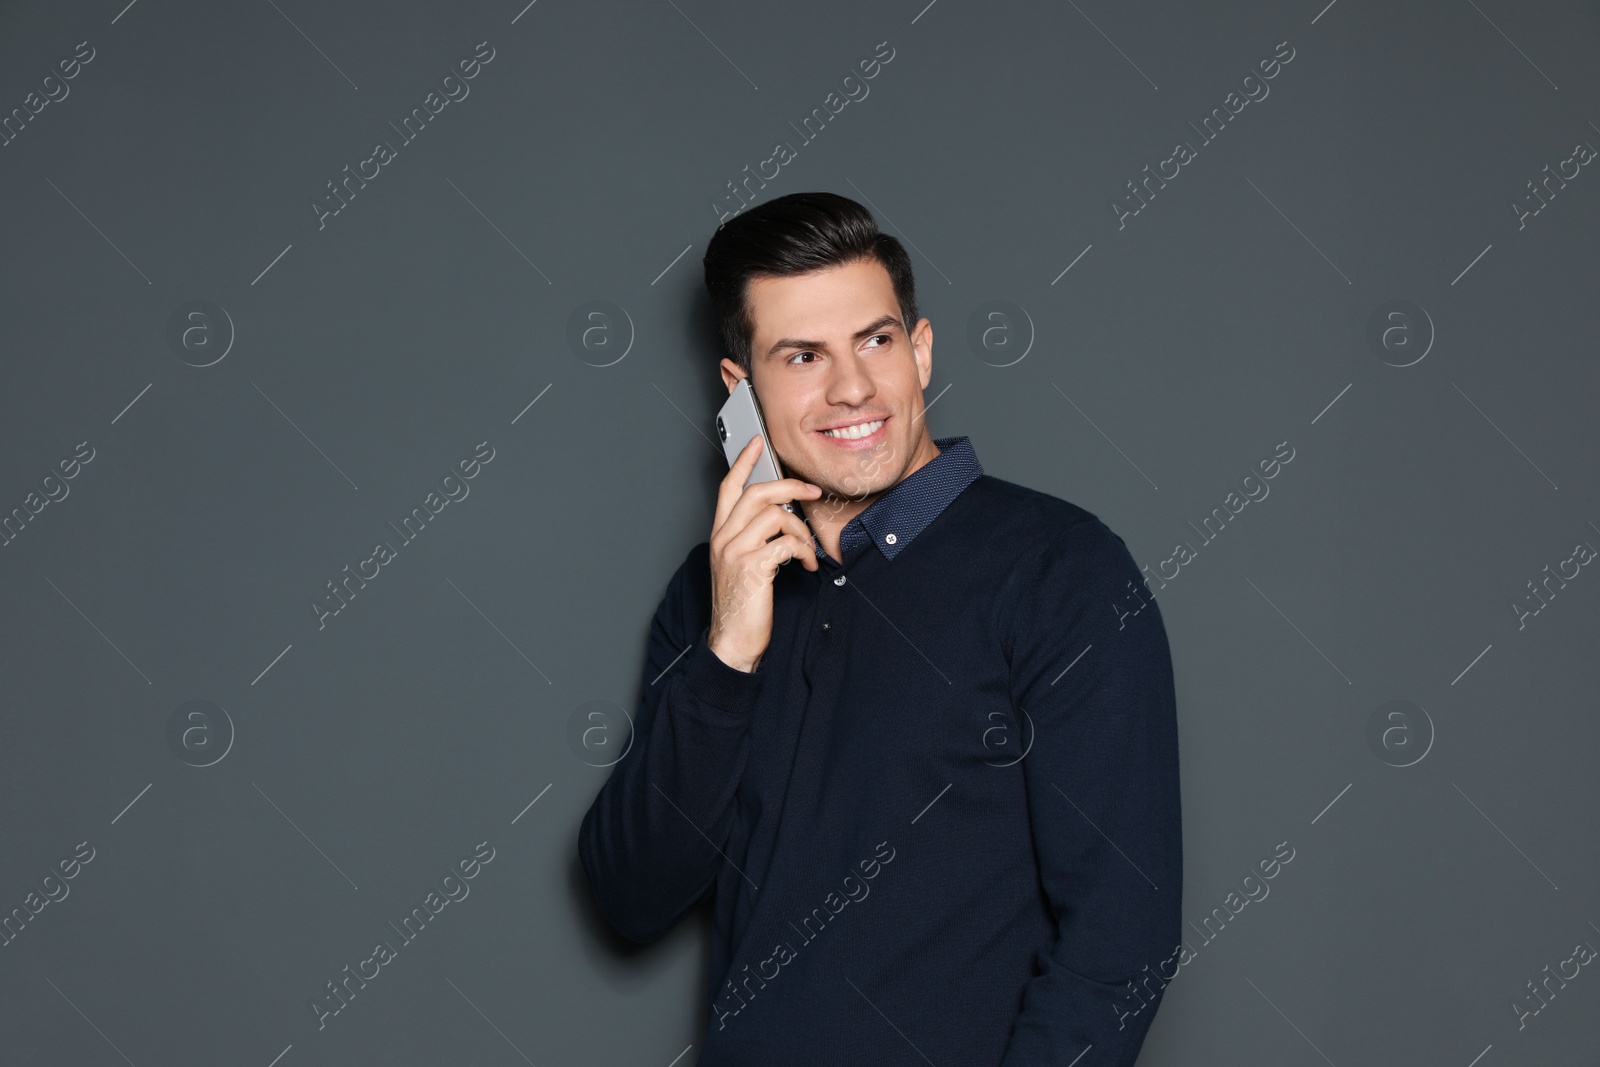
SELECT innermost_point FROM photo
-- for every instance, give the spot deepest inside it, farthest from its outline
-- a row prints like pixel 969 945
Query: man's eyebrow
pixel 875 326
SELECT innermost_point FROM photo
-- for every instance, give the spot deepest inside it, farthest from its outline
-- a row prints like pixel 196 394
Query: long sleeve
pixel 1091 668
pixel 651 841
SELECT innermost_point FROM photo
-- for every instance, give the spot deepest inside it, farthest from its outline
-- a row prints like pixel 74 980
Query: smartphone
pixel 737 422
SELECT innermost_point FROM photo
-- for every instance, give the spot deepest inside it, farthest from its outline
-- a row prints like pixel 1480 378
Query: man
pixel 929 773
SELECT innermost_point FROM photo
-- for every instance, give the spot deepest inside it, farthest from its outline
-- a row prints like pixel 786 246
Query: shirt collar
pixel 894 520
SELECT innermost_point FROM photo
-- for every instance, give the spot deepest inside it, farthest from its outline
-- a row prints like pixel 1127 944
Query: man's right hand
pixel 750 537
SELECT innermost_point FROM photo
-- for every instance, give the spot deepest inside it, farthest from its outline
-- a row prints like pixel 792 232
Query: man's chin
pixel 848 485
pixel 848 475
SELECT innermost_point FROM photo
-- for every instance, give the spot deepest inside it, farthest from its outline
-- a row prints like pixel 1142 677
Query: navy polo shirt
pixel 940 821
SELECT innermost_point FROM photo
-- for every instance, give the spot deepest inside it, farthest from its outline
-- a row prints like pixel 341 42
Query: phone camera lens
pixel 722 431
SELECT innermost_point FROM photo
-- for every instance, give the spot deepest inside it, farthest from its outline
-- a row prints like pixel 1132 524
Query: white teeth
pixel 864 429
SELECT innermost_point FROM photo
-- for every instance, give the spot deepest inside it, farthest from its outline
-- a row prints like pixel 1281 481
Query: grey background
pixel 364 759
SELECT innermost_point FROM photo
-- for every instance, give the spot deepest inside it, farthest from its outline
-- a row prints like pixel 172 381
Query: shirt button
pixel 827 626
pixel 839 580
pixel 890 538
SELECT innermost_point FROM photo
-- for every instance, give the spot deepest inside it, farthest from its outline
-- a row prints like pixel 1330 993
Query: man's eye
pixel 797 355
pixel 886 338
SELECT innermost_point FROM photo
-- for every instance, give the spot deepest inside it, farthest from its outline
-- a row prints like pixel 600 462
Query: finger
pixel 765 523
pixel 776 522
pixel 794 524
pixel 807 552
pixel 733 482
pixel 748 540
pixel 788 546
pixel 758 495
pixel 801 547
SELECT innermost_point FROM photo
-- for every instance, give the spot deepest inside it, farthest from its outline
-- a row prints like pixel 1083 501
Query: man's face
pixel 830 352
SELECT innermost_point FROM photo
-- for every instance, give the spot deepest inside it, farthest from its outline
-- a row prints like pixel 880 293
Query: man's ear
pixel 922 347
pixel 731 373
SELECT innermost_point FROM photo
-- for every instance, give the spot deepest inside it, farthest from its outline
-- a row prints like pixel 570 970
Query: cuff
pixel 718 684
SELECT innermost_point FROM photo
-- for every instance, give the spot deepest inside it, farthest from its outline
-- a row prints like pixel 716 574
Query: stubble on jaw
pixel 856 484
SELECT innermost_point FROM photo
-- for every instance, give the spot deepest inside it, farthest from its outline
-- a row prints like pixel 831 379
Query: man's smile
pixel 857 435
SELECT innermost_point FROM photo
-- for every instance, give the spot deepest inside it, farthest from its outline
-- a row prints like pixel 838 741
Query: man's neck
pixel 829 515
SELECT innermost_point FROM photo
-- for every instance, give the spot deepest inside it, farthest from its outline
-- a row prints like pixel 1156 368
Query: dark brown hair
pixel 795 234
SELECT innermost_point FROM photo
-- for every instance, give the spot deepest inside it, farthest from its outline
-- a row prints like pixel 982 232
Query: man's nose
pixel 851 384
